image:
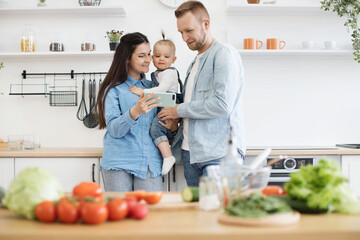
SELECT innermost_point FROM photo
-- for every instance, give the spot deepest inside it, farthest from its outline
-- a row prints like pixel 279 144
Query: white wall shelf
pixel 17 55
pixel 118 11
pixel 335 52
pixel 237 8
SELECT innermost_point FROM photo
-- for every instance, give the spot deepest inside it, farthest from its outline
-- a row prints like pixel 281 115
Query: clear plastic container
pixel 209 196
pixel 27 40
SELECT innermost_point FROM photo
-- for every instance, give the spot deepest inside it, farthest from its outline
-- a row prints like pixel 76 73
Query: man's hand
pixel 168 113
pixel 136 90
pixel 171 125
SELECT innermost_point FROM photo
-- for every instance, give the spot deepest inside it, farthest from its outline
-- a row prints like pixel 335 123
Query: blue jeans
pixel 194 171
pixel 121 181
pixel 158 132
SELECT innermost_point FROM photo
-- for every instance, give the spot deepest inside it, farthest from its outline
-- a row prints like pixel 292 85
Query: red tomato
pixel 153 197
pixel 136 194
pixel 131 202
pixel 273 190
pixel 94 213
pixel 88 189
pixel 139 211
pixel 46 211
pixel 68 212
pixel 118 209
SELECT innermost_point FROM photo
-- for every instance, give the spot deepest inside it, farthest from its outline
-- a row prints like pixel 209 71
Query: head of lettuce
pixel 30 187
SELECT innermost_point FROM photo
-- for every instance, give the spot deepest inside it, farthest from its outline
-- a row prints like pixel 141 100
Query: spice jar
pixel 27 40
pixel 88 43
pixel 56 45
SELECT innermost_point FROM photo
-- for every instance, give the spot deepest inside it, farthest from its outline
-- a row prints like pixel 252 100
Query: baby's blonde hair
pixel 167 42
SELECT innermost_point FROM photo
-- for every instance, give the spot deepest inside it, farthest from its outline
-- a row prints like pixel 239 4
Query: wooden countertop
pixel 180 225
pixel 97 152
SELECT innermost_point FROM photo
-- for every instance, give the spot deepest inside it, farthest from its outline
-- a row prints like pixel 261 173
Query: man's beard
pixel 200 44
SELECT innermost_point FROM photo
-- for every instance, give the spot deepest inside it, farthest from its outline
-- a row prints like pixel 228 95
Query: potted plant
pixel 349 9
pixel 42 3
pixel 114 38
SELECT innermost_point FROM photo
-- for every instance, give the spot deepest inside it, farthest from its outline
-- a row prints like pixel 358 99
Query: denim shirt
pixel 216 104
pixel 127 142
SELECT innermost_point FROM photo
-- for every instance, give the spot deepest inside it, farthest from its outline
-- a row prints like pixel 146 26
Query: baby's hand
pixel 136 90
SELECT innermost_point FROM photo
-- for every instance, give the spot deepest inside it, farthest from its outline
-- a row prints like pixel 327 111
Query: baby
pixel 165 79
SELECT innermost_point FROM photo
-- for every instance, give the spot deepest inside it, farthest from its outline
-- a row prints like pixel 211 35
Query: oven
pixel 280 172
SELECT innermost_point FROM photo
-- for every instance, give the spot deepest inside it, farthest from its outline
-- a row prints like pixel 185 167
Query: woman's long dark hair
pixel 118 71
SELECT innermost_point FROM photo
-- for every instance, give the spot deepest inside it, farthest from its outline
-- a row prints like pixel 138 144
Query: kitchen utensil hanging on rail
pixel 82 111
pixel 90 119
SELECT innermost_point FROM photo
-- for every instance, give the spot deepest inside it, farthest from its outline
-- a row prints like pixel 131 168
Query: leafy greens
pixel 323 187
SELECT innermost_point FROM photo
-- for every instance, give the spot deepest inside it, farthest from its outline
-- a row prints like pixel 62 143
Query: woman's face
pixel 140 61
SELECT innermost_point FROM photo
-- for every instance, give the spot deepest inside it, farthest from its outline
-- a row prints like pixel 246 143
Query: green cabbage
pixel 323 187
pixel 30 187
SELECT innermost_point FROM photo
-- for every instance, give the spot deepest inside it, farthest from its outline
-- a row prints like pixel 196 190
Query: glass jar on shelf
pixel 27 40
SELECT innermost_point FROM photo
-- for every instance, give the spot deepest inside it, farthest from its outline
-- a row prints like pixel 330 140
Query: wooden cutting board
pixel 169 201
pixel 280 219
pixel 173 201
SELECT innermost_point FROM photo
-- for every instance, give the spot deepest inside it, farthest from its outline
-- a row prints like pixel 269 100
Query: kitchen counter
pixel 179 225
pixel 97 152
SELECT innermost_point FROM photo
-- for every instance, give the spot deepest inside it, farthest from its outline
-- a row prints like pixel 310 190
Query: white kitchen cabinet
pixel 350 166
pixel 6 171
pixel 176 178
pixel 69 171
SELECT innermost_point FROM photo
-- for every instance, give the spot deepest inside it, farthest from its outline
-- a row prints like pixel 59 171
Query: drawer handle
pixel 93 172
pixel 174 173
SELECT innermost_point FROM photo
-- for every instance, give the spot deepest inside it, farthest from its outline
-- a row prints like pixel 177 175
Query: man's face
pixel 192 31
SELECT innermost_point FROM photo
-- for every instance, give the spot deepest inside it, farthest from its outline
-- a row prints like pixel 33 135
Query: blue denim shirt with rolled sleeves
pixel 127 143
pixel 216 104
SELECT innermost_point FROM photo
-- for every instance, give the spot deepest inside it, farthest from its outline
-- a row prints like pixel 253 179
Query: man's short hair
pixel 195 7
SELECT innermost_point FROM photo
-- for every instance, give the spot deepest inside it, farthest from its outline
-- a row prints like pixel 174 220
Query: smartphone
pixel 166 99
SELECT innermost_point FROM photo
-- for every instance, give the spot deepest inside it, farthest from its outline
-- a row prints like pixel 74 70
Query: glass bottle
pixel 231 167
pixel 27 40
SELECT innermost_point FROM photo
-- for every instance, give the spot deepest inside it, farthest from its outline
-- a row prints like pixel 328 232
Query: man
pixel 213 95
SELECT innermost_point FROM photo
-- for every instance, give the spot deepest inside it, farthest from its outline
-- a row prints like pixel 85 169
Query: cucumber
pixel 190 194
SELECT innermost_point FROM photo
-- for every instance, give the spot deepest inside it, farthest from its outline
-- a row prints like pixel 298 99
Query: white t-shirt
pixel 187 98
pixel 168 82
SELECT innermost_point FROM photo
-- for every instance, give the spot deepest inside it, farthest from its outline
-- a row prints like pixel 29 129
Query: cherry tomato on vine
pixel 68 212
pixel 118 209
pixel 46 211
pixel 94 212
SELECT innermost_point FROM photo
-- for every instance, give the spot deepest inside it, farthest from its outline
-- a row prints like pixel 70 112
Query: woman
pixel 130 159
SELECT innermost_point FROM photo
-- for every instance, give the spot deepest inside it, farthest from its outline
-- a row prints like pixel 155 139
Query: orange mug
pixel 252 43
pixel 274 43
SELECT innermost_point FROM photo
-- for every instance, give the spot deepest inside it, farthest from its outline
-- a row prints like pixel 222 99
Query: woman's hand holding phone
pixel 143 105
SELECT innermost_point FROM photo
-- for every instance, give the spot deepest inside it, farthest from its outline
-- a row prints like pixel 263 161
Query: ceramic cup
pixel 307 44
pixel 275 43
pixel 330 44
pixel 252 43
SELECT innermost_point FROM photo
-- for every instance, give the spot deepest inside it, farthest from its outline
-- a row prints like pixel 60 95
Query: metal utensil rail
pixel 62 89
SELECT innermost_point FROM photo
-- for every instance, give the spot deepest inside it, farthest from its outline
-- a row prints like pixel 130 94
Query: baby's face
pixel 163 56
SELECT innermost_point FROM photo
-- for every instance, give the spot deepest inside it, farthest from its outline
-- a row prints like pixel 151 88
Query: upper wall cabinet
pixel 241 8
pixel 117 11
